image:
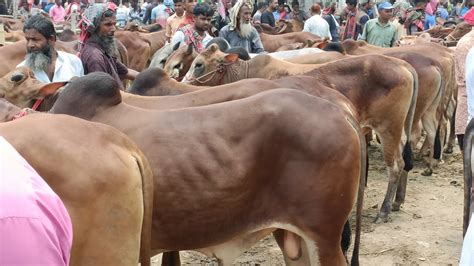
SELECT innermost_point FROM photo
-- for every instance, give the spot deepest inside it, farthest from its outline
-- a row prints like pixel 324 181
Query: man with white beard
pixel 42 58
pixel 240 32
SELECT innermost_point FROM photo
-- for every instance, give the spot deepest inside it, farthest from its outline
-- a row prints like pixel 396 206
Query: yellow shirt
pixel 172 24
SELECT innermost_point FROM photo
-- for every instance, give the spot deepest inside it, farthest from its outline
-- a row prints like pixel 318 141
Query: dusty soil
pixel 426 231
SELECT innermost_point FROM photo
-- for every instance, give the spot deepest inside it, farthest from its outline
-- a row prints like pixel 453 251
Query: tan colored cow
pixel 101 176
pixel 440 57
pixel 257 161
pixel 271 43
pixel 392 89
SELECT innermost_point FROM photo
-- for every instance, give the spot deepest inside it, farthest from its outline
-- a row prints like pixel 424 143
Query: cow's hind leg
pixel 395 164
pixel 430 124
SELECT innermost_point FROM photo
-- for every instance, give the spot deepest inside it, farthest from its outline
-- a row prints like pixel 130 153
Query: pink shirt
pixel 57 13
pixel 35 228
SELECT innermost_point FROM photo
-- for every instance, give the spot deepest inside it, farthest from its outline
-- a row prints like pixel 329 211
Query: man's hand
pixel 131 74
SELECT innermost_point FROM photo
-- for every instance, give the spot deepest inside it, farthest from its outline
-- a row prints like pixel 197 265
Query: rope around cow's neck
pixel 235 73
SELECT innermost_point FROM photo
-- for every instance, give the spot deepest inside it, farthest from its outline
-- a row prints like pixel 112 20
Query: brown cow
pixel 461 29
pixel 442 58
pixel 247 88
pixel 101 176
pixel 271 43
pixel 138 48
pixel 392 89
pixel 431 87
pixel 178 63
pixel 234 168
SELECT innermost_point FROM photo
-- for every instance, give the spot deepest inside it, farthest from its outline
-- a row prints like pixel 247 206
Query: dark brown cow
pixel 461 29
pixel 269 161
pixel 103 179
pixel 387 100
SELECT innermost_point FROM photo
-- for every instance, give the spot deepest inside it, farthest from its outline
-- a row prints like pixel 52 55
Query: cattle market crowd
pixel 130 129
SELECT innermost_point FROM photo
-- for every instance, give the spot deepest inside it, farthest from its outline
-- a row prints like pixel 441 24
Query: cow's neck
pixel 265 66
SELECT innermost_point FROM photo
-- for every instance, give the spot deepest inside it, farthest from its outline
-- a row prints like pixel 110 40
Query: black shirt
pixel 267 18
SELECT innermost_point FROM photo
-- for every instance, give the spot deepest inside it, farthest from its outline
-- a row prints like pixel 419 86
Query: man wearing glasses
pixel 379 31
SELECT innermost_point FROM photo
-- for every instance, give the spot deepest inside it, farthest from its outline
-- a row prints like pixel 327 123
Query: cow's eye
pixel 198 65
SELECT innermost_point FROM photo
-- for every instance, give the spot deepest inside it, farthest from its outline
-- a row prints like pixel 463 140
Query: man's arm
pixel 265 22
pixel 364 33
pixel 131 74
pixel 256 45
pixel 168 29
pixel 469 76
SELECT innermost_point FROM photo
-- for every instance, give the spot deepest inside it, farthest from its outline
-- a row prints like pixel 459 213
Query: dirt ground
pixel 426 231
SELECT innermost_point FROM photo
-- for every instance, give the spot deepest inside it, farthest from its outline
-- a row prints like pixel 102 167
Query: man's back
pixel 267 18
pixel 317 26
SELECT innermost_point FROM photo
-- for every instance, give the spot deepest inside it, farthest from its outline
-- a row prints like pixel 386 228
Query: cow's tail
pixel 467 147
pixel 361 191
pixel 407 152
pixel 437 144
pixel 147 188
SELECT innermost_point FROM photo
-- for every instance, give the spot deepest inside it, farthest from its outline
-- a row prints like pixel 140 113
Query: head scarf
pixel 469 17
pixel 91 18
pixel 234 12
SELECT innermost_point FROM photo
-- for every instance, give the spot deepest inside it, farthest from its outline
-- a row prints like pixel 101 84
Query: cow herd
pixel 239 150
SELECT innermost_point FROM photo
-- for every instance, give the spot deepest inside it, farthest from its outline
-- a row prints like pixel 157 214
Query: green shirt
pixel 380 35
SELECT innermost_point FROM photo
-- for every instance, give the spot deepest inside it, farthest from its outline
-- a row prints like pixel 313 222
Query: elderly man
pixel 379 31
pixel 240 32
pixel 97 55
pixel 316 24
pixel 48 64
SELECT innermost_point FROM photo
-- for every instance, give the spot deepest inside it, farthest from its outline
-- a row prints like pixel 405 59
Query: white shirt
pixel 317 26
pixel 178 37
pixel 67 66
pixel 467 254
pixel 469 67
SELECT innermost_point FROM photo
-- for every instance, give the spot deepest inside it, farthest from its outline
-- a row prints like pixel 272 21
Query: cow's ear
pixel 50 88
pixel 176 46
pixel 214 47
pixel 231 58
pixel 189 51
pixel 321 45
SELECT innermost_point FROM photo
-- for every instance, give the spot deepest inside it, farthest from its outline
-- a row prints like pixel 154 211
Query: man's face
pixel 245 14
pixel 385 14
pixel 202 23
pixel 107 27
pixel 36 42
pixel 281 8
pixel 370 4
pixel 189 6
pixel 39 50
pixel 296 9
pixel 179 8
pixel 58 2
pixel 274 4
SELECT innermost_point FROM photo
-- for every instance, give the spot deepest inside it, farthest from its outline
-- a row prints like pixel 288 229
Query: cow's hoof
pixel 396 206
pixel 427 172
pixel 381 218
pixel 418 157
pixel 448 150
